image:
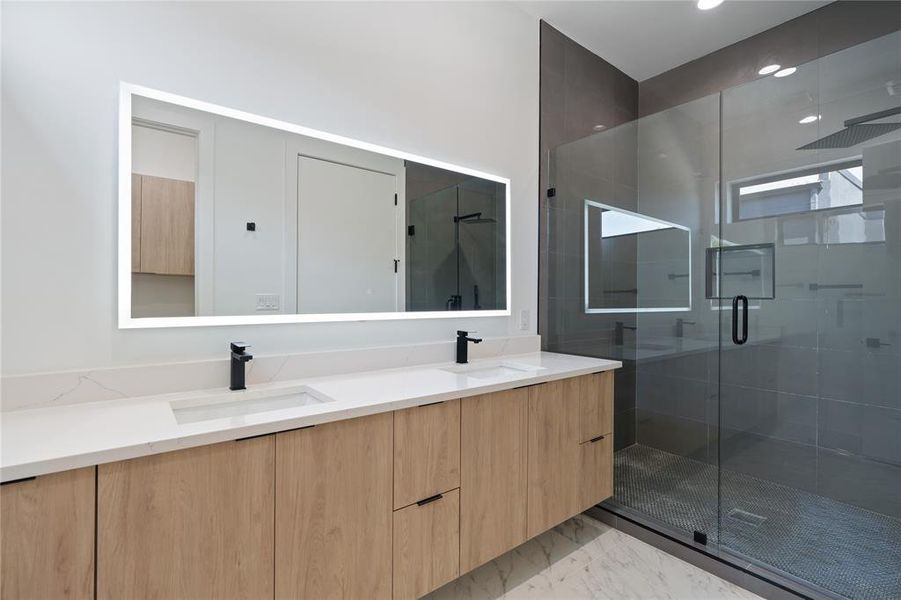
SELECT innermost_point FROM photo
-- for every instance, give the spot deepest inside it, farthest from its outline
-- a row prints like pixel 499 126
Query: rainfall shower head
pixel 856 131
pixel 473 218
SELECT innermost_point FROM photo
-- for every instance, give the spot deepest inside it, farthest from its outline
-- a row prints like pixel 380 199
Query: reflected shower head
pixel 856 131
pixel 474 218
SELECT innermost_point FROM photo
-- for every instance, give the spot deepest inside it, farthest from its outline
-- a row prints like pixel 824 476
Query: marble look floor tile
pixel 585 559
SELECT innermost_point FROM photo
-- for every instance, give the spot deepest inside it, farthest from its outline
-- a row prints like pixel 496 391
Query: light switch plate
pixel 524 319
pixel 267 302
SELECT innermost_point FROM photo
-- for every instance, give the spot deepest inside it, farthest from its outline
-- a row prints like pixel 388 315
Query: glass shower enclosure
pixel 741 254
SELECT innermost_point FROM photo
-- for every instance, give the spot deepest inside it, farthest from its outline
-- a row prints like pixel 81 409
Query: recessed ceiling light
pixel 599 127
pixel 810 119
pixel 785 72
pixel 769 69
pixel 708 4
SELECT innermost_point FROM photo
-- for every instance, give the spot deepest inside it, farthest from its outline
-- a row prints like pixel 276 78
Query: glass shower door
pixel 629 223
pixel 807 271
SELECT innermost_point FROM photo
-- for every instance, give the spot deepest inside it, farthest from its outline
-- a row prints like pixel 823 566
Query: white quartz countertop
pixel 46 440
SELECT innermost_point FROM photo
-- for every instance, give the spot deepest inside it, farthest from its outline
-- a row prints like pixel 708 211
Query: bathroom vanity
pixel 387 484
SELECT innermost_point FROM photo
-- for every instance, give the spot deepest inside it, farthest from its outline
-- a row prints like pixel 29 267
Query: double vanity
pixel 376 484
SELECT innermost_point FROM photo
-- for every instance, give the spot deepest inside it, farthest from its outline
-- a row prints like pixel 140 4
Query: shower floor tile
pixel 849 550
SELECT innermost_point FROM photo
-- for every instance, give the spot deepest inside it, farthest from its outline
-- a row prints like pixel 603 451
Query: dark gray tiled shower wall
pixel 580 91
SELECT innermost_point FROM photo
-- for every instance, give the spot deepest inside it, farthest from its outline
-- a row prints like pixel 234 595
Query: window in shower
pixel 811 189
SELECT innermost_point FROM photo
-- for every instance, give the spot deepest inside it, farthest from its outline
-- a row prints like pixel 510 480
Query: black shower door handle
pixel 744 320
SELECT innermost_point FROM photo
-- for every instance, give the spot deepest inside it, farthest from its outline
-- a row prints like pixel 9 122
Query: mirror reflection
pixel 634 262
pixel 230 217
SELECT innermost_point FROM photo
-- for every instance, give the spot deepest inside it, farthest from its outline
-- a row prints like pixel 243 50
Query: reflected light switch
pixel 267 302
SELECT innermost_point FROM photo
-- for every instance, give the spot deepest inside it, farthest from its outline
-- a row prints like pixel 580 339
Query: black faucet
pixel 239 357
pixel 618 332
pixel 463 340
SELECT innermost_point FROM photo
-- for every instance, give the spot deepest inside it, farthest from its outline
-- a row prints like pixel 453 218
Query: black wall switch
pixel 251 227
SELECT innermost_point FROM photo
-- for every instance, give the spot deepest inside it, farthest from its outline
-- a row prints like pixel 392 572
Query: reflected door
pixel 347 239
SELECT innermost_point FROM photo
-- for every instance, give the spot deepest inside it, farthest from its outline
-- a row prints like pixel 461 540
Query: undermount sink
pixel 493 370
pixel 244 402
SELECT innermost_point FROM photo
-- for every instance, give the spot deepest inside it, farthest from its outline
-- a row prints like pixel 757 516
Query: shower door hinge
pixel 395 264
pixel 551 192
pixel 700 537
pixel 411 229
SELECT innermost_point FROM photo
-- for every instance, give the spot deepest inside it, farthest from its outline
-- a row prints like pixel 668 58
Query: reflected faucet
pixel 239 357
pixel 680 326
pixel 618 332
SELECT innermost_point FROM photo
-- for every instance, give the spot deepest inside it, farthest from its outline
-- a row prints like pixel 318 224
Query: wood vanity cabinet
pixel 570 448
pixel 426 498
pixel 596 404
pixel 493 481
pixel 426 545
pixel 194 523
pixel 554 453
pixel 47 536
pixel 426 451
pixel 333 510
pixel 390 505
pixel 162 222
pixel 596 470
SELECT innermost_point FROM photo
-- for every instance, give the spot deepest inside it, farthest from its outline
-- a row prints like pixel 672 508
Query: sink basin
pixel 494 370
pixel 244 402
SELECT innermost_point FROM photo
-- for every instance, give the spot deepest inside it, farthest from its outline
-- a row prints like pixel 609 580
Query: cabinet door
pixel 426 451
pixel 596 392
pixel 597 471
pixel 554 454
pixel 195 523
pixel 426 545
pixel 47 536
pixel 493 484
pixel 135 223
pixel 167 226
pixel 334 511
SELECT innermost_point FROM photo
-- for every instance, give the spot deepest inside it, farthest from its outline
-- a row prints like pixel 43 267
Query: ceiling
pixel 644 38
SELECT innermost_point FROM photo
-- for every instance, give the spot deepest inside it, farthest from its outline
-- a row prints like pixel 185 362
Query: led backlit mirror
pixel 635 263
pixel 227 217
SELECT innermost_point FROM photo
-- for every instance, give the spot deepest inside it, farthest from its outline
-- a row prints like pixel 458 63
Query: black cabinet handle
pixel 736 339
pixel 22 480
pixel 597 439
pixel 430 499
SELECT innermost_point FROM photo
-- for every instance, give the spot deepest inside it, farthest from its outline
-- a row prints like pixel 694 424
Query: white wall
pixel 163 153
pixel 400 75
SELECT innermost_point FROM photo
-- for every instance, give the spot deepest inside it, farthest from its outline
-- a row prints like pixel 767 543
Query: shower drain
pixel 745 517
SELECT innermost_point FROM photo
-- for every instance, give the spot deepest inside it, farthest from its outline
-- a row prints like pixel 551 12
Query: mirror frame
pixel 126 321
pixel 588 309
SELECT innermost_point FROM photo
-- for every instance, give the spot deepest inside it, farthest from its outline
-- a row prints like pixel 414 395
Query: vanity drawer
pixel 596 405
pixel 426 545
pixel 426 451
pixel 596 471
